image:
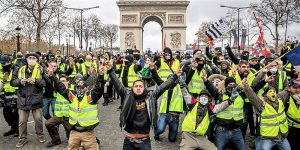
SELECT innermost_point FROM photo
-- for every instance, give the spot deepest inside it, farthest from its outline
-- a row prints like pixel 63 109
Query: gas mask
pixel 31 62
pixel 230 88
pixel 203 100
pixel 274 70
pixel 271 95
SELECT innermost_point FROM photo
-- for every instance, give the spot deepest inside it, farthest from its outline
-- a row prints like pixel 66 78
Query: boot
pixel 10 132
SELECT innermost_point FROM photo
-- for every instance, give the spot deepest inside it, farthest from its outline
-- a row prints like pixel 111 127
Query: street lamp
pixel 81 12
pixel 238 31
pixel 286 23
pixel 90 46
pixel 18 32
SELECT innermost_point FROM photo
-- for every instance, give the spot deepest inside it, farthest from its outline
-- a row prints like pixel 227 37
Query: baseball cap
pixel 4 59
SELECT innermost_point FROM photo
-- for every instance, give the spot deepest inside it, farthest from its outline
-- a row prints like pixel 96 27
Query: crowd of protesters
pixel 222 96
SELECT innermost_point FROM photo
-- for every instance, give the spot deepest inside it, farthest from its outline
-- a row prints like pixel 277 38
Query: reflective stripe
pixel 61 109
pixel 11 97
pixel 228 114
pixel 271 124
pixel 234 108
pixel 61 103
pixel 272 116
pixel 83 119
pixel 83 110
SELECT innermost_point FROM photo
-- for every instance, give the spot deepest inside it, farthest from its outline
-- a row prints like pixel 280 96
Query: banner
pixel 235 41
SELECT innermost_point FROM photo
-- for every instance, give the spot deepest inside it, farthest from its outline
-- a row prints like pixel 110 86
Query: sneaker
pixel 51 144
pixel 21 143
pixel 10 132
pixel 42 139
pixel 104 104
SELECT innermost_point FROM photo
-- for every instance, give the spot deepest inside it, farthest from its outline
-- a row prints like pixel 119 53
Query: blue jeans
pixel 225 135
pixel 172 121
pixel 46 105
pixel 261 144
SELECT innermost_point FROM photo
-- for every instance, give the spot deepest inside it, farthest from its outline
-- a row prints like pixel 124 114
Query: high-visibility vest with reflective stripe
pixel 62 67
pixel 106 76
pixel 189 122
pixel 288 68
pixel 176 103
pixel 61 107
pixel 81 68
pixel 118 66
pixel 282 77
pixel 73 74
pixel 196 84
pixel 83 113
pixel 235 111
pixel 164 70
pixel 36 73
pixel 132 76
pixel 238 80
pixel 293 114
pixel 7 87
pixel 271 122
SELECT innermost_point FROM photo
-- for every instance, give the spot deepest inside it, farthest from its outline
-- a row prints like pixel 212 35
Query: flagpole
pixel 268 65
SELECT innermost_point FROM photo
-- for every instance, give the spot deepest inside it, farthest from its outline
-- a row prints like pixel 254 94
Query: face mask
pixel 167 56
pixel 200 66
pixel 229 89
pixel 203 101
pixel 271 95
pixel 137 56
pixel 31 62
pixel 88 63
pixel 6 68
pixel 146 65
pixel 273 70
pixel 80 60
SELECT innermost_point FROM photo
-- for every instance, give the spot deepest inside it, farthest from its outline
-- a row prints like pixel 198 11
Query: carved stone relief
pixel 176 18
pixel 129 18
pixel 175 40
pixel 129 39
pixel 144 15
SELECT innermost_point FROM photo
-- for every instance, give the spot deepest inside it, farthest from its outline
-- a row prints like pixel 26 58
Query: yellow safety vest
pixel 61 108
pixel 235 111
pixel 176 103
pixel 35 74
pixel 196 84
pixel 7 87
pixel 238 80
pixel 288 68
pixel 293 114
pixel 189 122
pixel 282 77
pixel 164 70
pixel 132 76
pixel 271 122
pixel 83 113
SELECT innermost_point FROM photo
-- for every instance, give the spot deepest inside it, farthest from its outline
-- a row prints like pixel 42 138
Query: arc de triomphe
pixel 170 14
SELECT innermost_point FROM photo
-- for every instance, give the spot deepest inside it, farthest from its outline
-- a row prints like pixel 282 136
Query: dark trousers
pixel 294 138
pixel 248 120
pixel 52 127
pixel 136 144
pixel 11 116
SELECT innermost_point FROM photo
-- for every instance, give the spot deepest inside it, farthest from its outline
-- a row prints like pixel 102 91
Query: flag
pixel 260 47
pixel 234 46
pixel 194 46
pixel 165 43
pixel 217 29
pixel 211 43
pixel 243 41
pixel 294 57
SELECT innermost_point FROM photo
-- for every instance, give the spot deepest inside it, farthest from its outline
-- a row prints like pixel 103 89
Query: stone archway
pixel 171 15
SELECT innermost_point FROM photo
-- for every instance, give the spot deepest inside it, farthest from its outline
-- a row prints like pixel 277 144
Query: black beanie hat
pixel 229 80
pixel 195 51
pixel 130 58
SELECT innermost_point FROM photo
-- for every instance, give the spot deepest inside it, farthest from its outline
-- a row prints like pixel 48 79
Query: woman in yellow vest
pixel 196 125
pixel 272 123
pixel 83 111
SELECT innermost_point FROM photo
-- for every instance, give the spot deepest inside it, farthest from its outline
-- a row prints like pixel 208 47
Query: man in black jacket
pixel 138 112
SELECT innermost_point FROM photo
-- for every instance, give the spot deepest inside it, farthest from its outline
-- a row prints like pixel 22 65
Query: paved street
pixel 108 132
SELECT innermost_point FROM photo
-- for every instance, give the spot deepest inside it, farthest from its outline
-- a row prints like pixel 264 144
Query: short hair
pixel 64 76
pixel 243 62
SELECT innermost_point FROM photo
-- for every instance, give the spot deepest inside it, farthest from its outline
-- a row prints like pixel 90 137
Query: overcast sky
pixel 197 12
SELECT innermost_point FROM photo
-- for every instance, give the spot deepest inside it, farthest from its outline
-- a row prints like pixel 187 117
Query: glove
pixel 233 96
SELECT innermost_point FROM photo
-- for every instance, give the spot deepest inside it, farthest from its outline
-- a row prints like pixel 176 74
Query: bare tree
pixel 202 37
pixel 49 32
pixel 42 11
pixel 110 34
pixel 274 14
